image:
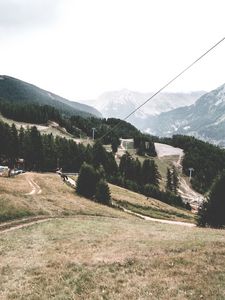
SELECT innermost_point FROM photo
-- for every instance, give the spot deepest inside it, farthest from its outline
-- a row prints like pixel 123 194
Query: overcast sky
pixel 82 48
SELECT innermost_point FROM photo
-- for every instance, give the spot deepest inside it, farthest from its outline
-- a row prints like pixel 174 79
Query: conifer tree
pixel 169 184
pixel 115 144
pixel 87 180
pixel 150 173
pixel 175 180
pixel 212 211
pixel 13 146
pixel 103 193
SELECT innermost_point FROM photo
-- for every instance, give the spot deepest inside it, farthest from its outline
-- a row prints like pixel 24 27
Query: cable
pixel 162 88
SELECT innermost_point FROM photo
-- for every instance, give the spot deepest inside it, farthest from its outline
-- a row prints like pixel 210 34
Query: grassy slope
pixel 99 252
pixel 149 206
pixel 57 199
pixel 107 258
pixel 44 129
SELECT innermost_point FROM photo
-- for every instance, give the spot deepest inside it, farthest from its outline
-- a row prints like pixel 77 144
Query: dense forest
pixel 79 126
pixel 207 160
pixel 47 153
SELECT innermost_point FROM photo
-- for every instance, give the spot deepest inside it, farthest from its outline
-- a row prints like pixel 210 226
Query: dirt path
pixel 157 220
pixel 35 188
pixel 21 223
pixel 184 190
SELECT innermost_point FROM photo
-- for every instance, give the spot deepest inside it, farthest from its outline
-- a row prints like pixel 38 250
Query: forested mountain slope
pixel 18 91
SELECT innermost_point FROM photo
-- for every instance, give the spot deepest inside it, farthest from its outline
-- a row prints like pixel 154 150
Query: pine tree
pixel 34 149
pixel 21 142
pixel 169 184
pixel 87 180
pixel 125 165
pixel 14 145
pixel 150 173
pixel 115 144
pixel 103 193
pixel 175 180
pixel 212 211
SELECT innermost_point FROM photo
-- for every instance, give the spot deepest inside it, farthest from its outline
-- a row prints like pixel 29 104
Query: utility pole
pixel 190 173
pixel 93 133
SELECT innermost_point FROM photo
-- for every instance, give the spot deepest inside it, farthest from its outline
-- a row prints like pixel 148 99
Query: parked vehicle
pixel 4 171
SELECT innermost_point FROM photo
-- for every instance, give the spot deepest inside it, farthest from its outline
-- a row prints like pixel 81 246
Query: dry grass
pixel 44 129
pixel 107 258
pixel 149 207
pixel 56 199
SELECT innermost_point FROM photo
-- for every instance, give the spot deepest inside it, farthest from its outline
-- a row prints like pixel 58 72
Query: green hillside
pixel 18 91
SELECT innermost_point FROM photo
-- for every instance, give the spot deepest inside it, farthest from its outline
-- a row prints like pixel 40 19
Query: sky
pixel 80 49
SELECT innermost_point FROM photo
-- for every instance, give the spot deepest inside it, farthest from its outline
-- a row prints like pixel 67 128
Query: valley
pixel 58 241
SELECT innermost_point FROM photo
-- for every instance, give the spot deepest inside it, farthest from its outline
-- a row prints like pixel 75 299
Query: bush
pixel 102 194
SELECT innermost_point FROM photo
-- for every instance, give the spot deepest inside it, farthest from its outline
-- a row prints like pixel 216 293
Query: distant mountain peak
pixel 120 103
pixel 205 119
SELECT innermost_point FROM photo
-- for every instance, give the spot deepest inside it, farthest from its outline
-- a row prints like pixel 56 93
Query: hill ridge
pixel 16 90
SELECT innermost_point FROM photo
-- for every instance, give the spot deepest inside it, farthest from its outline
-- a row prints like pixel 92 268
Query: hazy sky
pixel 82 48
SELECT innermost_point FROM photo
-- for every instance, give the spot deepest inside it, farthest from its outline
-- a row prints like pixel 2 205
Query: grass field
pixel 91 251
pixel 111 258
pixel 148 206
pixel 55 199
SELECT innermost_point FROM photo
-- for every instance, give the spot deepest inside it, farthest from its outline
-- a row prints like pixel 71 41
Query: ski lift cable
pixel 163 87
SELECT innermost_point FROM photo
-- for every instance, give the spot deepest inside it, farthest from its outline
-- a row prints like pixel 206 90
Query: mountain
pixel 205 119
pixel 119 104
pixel 15 90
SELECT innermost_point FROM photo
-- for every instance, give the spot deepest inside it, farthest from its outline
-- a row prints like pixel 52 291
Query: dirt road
pixel 21 223
pixel 157 220
pixel 185 191
pixel 35 188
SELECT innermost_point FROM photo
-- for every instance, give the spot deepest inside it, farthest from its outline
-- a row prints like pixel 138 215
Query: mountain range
pixel 205 119
pixel 200 114
pixel 18 91
pixel 119 104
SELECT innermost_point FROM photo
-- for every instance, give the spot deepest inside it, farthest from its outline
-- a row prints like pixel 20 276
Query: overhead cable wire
pixel 162 88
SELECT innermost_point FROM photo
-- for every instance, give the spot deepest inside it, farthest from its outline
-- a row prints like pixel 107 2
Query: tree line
pixel 207 160
pixel 79 126
pixel 46 153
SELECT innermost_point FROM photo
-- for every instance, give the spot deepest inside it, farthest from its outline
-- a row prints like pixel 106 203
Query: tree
pixel 150 173
pixel 13 146
pixel 115 144
pixel 125 165
pixel 103 193
pixel 87 180
pixel 212 211
pixel 33 149
pixel 99 154
pixel 175 180
pixel 169 184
